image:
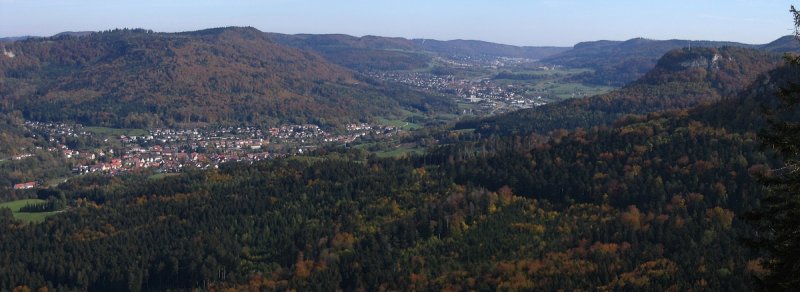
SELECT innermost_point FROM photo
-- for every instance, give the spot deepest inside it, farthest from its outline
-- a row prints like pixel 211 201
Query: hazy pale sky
pixel 532 22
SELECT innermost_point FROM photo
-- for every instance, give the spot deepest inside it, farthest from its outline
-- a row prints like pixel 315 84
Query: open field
pixel 573 90
pixel 398 124
pixel 554 84
pixel 399 151
pixel 26 217
pixel 401 123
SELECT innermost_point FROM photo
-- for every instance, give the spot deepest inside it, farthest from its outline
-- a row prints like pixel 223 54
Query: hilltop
pixel 787 43
pixel 138 78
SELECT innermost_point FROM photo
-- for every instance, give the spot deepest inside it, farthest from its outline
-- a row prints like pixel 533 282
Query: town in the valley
pixel 170 150
pixel 490 86
pixel 484 87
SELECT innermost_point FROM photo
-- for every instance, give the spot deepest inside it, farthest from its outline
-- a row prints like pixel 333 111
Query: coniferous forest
pixel 682 180
pixel 653 203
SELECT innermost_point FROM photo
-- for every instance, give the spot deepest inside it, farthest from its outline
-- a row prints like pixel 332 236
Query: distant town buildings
pixel 170 150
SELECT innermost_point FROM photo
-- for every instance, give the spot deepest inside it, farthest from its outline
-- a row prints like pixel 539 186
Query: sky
pixel 516 22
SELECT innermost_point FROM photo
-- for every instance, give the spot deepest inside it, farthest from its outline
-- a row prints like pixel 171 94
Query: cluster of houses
pixel 491 97
pixel 419 79
pixel 170 150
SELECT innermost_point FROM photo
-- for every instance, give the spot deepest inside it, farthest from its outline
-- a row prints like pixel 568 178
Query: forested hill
pixel 13 39
pixel 680 180
pixel 735 119
pixel 387 53
pixel 359 53
pixel 12 136
pixel 620 62
pixel 487 49
pixel 650 204
pixel 682 78
pixel 750 109
pixel 137 78
pixel 787 43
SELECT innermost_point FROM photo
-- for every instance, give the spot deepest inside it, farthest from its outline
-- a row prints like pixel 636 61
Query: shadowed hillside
pixel 136 78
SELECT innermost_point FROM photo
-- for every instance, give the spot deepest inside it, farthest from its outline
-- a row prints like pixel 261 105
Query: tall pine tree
pixel 777 220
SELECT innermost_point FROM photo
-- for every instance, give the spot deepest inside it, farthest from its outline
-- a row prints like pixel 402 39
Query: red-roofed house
pixel 27 185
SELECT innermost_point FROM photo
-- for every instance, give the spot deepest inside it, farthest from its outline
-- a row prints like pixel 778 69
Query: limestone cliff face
pixel 709 59
pixel 710 62
pixel 727 70
pixel 8 54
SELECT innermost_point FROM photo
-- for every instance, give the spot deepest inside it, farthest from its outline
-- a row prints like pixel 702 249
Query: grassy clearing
pixel 16 205
pixel 554 84
pixel 393 151
pixel 116 132
pixel 26 217
pixel 573 90
pixel 462 105
pixel 33 217
pixel 399 123
pixel 400 151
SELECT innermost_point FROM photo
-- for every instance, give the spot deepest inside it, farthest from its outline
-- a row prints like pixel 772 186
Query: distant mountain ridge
pixel 482 48
pixel 620 62
pixel 14 39
pixel 364 53
pixel 615 63
pixel 392 53
pixel 66 33
pixel 137 78
pixel 74 33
